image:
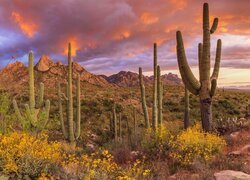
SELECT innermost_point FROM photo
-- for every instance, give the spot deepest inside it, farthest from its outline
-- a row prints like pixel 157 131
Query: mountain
pixel 15 76
pixel 171 78
pixel 125 79
pixel 128 79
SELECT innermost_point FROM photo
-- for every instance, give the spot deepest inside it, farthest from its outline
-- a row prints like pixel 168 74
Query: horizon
pixel 121 35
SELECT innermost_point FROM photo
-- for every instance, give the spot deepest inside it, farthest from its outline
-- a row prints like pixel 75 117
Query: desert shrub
pixel 6 116
pixel 101 165
pixel 225 125
pixel 194 144
pixel 156 144
pixel 173 106
pixel 23 154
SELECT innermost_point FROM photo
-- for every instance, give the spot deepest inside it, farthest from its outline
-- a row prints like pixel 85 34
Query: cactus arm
pixel 200 47
pixel 29 115
pixel 46 110
pixel 78 108
pixel 217 61
pixel 31 83
pixel 143 99
pixel 18 113
pixel 41 95
pixel 64 97
pixel 213 87
pixel 214 26
pixel 188 78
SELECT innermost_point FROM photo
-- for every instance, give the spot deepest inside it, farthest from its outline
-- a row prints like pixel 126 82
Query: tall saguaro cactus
pixel 186 113
pixel 206 86
pixel 143 99
pixel 154 113
pixel 115 123
pixel 73 128
pixel 36 115
pixel 159 95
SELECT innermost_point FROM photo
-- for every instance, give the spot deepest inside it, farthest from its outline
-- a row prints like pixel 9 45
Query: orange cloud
pixel 74 46
pixel 28 28
pixel 180 4
pixel 149 18
pixel 122 35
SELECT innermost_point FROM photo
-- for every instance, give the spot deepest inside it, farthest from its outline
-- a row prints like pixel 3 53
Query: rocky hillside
pixel 125 79
pixel 129 79
pixel 15 76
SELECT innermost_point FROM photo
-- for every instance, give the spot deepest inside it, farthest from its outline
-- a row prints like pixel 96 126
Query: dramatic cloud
pixel 112 35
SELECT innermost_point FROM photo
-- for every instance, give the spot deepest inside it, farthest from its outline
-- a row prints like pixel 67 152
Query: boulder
pixel 231 175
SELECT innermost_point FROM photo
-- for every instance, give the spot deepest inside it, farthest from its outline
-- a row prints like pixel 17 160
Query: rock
pixel 243 151
pixel 234 135
pixel 231 175
pixel 184 176
pixel 235 153
pixel 44 64
pixel 246 149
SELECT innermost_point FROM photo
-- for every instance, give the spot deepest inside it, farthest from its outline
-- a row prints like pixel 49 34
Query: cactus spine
pixel 72 133
pixel 206 86
pixel 186 114
pixel 36 115
pixel 154 113
pixel 159 95
pixel 143 99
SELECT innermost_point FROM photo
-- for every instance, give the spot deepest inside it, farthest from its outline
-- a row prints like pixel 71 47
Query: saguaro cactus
pixel 73 129
pixel 206 87
pixel 159 95
pixel 186 114
pixel 115 123
pixel 36 115
pixel 143 99
pixel 154 113
pixel 135 123
pixel 120 126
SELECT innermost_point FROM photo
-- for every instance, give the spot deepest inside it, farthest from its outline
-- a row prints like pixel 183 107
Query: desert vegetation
pixel 153 130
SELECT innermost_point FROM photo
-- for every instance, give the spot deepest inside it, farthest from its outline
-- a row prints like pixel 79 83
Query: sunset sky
pixel 112 35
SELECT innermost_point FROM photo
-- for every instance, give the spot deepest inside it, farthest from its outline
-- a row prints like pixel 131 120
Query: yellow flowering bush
pixel 102 166
pixel 156 143
pixel 22 153
pixel 194 144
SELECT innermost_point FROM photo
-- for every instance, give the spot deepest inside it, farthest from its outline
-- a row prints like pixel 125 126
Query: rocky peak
pixel 78 67
pixel 172 77
pixel 16 64
pixel 125 79
pixel 44 63
pixel 13 67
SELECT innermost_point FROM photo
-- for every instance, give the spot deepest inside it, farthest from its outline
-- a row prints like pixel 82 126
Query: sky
pixel 108 36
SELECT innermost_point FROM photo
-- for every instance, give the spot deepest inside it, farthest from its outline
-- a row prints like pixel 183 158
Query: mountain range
pixel 15 75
